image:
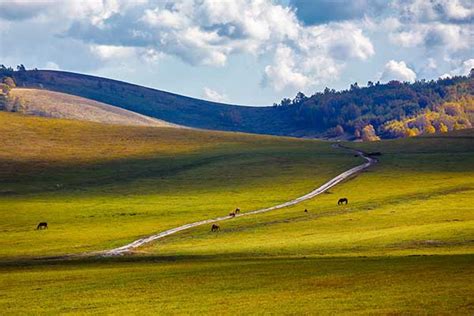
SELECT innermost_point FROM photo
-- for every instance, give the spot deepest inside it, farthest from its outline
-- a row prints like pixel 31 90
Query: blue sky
pixel 252 52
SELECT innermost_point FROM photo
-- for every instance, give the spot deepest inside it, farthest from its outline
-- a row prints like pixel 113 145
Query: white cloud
pixel 397 71
pixel 112 52
pixel 317 56
pixel 464 69
pixel 213 95
pixel 447 37
pixel 284 73
pixel 435 10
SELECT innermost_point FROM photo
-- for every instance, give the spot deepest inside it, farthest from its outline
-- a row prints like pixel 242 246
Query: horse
pixel 305 210
pixel 237 211
pixel 215 228
pixel 42 225
pixel 232 214
pixel 342 201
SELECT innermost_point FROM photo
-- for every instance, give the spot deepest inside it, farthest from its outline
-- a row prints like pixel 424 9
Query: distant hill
pixel 377 111
pixel 159 104
pixel 60 105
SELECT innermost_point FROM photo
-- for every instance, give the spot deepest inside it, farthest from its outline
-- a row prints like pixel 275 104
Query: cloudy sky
pixel 242 51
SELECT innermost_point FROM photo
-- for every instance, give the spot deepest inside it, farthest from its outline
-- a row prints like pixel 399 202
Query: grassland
pixel 102 186
pixel 416 200
pixel 403 245
pixel 60 105
pixel 400 285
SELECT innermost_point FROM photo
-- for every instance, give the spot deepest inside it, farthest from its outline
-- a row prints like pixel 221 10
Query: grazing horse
pixel 342 201
pixel 232 214
pixel 42 225
pixel 215 228
pixel 237 211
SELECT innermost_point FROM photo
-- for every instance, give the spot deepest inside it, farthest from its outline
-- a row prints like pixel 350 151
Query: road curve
pixel 343 176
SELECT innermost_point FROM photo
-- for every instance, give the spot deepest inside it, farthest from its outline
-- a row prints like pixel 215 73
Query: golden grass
pixel 60 105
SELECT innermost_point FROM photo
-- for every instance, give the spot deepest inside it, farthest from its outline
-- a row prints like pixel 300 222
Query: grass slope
pixel 416 200
pixel 160 104
pixel 403 245
pixel 101 186
pixel 60 105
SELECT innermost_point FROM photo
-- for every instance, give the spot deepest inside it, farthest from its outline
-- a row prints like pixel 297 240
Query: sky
pixel 249 52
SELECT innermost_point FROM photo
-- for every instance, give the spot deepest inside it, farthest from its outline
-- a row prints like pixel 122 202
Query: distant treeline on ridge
pixel 391 110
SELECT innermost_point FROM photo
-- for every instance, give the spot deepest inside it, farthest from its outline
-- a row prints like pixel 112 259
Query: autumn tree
pixel 368 133
pixel 9 81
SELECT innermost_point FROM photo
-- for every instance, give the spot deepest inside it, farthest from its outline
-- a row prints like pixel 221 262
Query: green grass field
pixel 102 186
pixel 403 245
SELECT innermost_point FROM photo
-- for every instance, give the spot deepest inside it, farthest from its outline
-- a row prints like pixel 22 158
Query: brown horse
pixel 215 228
pixel 342 201
pixel 237 211
pixel 42 225
pixel 232 214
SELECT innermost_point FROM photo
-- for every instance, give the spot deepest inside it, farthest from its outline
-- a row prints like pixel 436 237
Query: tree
pixel 429 129
pixel 299 98
pixel 9 81
pixel 443 128
pixel 354 86
pixel 285 102
pixel 368 133
pixel 20 67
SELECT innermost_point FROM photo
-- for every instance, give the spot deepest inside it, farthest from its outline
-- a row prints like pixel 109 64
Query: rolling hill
pixel 60 105
pixel 403 244
pixel 379 110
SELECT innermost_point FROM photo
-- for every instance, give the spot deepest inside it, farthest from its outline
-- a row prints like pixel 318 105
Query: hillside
pixel 117 183
pixel 377 111
pixel 408 224
pixel 155 103
pixel 60 105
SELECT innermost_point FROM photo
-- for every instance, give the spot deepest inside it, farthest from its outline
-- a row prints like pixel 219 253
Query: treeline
pixel 395 109
pixel 391 110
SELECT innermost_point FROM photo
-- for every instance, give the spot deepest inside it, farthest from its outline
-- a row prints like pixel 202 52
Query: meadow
pixel 102 186
pixel 403 245
pixel 416 200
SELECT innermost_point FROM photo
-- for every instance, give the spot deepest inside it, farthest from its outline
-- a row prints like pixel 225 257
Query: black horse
pixel 342 201
pixel 237 211
pixel 215 228
pixel 42 225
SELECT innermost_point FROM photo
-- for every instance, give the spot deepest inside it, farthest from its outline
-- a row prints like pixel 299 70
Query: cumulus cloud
pixel 443 25
pixel 284 72
pixel 435 10
pixel 299 45
pixel 397 71
pixel 213 95
pixel 318 55
pixel 449 37
pixel 463 69
pixel 208 32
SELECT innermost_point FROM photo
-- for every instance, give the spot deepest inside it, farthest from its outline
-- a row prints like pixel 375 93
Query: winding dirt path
pixel 343 176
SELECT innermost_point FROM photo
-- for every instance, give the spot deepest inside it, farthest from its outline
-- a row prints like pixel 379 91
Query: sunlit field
pixel 403 244
pixel 102 186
